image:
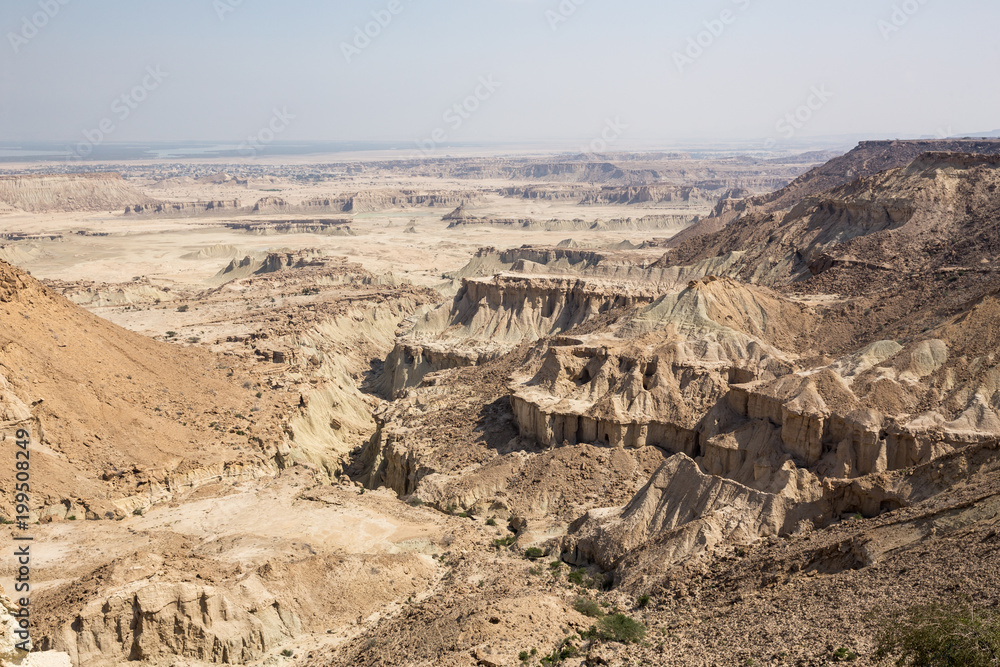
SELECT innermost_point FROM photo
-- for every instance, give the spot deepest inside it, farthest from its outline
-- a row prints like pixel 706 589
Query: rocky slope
pixel 867 159
pixel 112 413
pixel 70 192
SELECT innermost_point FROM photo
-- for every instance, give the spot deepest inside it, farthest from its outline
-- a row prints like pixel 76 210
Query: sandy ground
pixel 153 247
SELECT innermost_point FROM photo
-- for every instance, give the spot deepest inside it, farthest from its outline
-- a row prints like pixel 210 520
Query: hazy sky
pixel 559 70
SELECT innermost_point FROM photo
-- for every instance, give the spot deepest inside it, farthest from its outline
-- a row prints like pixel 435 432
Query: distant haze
pixel 430 73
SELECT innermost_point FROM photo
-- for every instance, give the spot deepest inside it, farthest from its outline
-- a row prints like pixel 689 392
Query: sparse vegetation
pixel 504 541
pixel 643 601
pixel 533 553
pixel 937 634
pixel 580 578
pixel 844 655
pixel 491 522
pixel 621 628
pixel 588 607
pixel 565 650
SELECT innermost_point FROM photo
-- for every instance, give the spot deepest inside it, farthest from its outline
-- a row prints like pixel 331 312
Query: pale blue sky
pixel 609 59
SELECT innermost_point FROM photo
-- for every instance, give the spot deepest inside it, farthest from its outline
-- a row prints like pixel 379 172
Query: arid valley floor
pixel 463 411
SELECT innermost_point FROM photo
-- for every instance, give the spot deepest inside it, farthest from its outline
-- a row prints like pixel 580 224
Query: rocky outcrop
pixel 184 209
pixel 648 194
pixel 326 227
pixel 410 362
pixel 683 508
pixel 69 192
pixel 567 428
pixel 13 645
pixel 381 200
pixel 504 310
pixel 271 205
pixel 270 262
pixel 147 621
pixel 649 222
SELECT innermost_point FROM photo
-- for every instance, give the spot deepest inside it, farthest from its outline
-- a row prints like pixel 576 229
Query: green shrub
pixel 415 502
pixel 533 553
pixel 621 628
pixel 940 635
pixel 287 653
pixel 565 650
pixel 588 607
pixel 844 655
pixel 504 541
pixel 491 522
pixel 643 601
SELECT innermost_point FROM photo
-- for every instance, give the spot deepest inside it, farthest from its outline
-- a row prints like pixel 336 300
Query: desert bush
pixel 565 650
pixel 533 553
pixel 621 628
pixel 588 607
pixel 933 635
pixel 844 655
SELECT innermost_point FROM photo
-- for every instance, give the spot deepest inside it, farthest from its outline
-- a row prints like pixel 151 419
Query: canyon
pixel 403 412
